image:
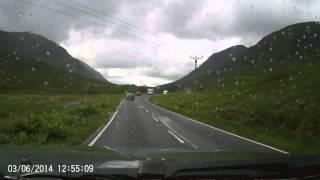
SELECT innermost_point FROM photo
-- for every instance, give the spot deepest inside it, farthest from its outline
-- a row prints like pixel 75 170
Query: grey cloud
pixel 178 14
pixel 121 60
pixel 121 63
pixel 160 73
pixel 260 20
pixel 249 18
pixel 52 19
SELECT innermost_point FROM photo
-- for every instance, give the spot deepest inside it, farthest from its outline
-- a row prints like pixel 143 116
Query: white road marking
pixel 164 120
pixel 105 127
pixel 235 135
pixel 155 118
pixel 108 148
pixel 175 136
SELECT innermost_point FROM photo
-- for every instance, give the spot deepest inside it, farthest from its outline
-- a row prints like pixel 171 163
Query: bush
pixel 85 112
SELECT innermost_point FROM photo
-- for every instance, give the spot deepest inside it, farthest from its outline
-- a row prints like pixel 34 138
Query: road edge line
pixel 93 141
pixel 232 134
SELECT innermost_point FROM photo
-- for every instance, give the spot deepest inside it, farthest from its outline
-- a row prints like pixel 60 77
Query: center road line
pixel 223 131
pixel 155 118
pixel 178 135
pixel 175 136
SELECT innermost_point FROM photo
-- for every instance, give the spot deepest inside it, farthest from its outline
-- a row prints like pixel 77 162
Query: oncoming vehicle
pixel 138 93
pixel 165 92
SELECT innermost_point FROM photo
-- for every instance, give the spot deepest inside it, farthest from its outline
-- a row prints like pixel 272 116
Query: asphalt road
pixel 139 127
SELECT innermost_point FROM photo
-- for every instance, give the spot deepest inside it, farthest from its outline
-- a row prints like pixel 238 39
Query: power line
pixel 102 17
pixel 77 17
pixel 112 18
pixel 67 13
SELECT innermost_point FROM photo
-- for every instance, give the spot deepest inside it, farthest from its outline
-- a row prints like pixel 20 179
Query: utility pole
pixel 195 58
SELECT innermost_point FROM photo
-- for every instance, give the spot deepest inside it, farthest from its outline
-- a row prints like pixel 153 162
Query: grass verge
pixel 53 119
pixel 280 108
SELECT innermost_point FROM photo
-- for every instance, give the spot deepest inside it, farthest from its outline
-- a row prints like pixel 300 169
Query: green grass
pixel 56 119
pixel 279 108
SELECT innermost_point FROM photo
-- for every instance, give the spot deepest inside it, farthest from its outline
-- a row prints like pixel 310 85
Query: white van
pixel 165 92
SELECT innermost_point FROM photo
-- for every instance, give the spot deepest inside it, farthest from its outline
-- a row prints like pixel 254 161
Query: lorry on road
pixel 150 91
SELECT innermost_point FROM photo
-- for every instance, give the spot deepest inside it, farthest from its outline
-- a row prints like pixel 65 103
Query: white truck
pixel 150 91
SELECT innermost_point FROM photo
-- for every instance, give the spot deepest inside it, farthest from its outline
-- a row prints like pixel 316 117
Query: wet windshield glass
pixel 159 79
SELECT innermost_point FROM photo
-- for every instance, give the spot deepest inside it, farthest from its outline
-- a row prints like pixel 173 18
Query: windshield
pixel 143 80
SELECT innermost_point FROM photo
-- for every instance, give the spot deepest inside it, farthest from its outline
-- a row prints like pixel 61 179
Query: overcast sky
pixel 150 41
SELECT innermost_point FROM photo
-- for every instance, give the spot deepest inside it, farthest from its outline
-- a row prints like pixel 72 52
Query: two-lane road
pixel 139 127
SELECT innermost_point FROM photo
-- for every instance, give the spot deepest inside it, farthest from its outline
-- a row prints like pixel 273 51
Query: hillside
pixel 268 92
pixel 32 62
pixel 294 44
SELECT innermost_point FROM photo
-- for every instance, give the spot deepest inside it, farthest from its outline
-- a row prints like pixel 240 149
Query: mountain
pixel 30 61
pixel 292 45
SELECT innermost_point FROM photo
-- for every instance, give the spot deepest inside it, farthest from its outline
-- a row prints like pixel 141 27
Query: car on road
pixel 130 97
pixel 138 93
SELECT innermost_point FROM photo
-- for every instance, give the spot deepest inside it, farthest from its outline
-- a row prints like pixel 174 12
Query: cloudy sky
pixel 150 41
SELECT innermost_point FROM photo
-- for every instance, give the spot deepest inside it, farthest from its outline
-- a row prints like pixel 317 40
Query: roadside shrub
pixel 4 114
pixel 45 128
pixel 4 138
pixel 85 112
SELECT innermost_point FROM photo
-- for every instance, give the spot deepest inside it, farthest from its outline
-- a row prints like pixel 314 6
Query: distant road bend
pixel 139 127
